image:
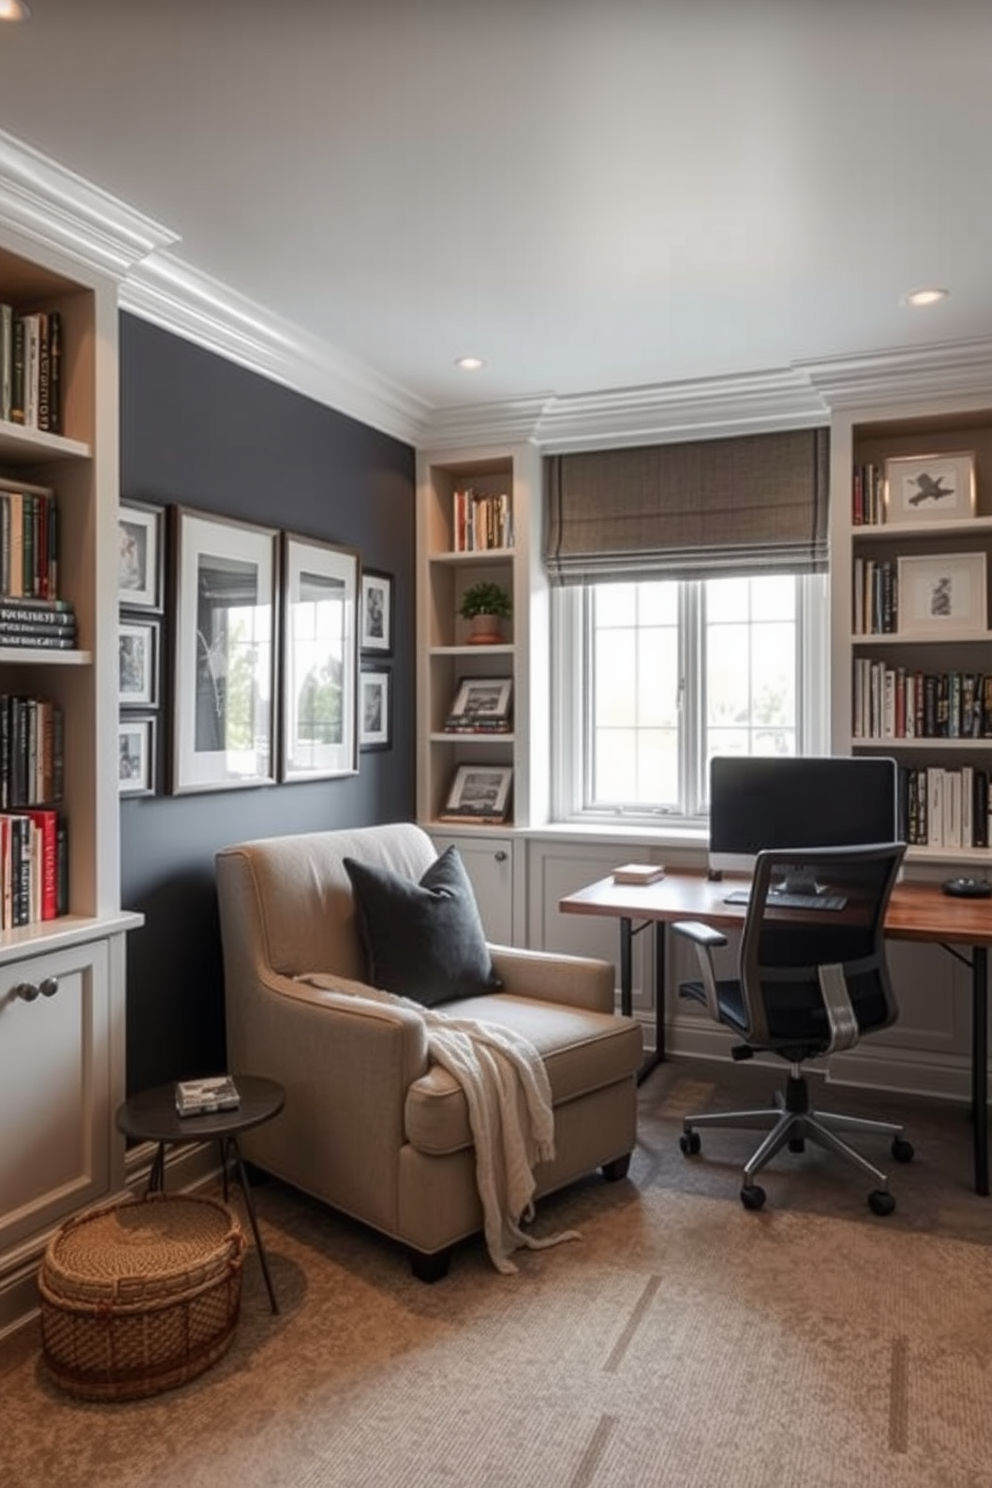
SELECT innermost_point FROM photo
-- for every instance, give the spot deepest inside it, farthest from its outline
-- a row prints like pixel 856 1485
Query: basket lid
pixel 158 1237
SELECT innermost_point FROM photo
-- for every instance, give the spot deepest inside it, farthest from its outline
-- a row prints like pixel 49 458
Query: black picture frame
pixel 375 708
pixel 376 613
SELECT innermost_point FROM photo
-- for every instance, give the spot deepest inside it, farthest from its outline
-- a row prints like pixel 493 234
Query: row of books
pixel 29 542
pixel 34 867
pixel 946 808
pixel 31 751
pixel 481 522
pixel 867 495
pixel 31 368
pixel 876 599
pixel 892 702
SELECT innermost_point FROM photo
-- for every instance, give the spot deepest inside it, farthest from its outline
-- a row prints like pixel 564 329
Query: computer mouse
pixel 967 888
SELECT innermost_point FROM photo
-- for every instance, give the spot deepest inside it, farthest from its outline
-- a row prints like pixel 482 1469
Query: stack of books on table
pixel 46 623
pixel 207 1096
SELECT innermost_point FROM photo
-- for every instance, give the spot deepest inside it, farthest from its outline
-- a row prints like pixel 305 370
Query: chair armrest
pixel 706 939
pixel 575 981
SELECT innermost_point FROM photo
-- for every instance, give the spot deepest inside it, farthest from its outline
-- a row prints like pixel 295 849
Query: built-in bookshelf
pixel 477 523
pixel 911 556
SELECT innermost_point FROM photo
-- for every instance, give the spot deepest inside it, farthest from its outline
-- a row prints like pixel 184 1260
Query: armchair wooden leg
pixel 617 1169
pixel 432 1267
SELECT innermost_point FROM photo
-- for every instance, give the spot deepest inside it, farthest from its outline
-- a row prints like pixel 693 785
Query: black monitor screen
pixel 759 801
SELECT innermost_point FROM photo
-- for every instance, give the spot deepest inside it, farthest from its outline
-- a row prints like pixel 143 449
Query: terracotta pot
pixel 485 630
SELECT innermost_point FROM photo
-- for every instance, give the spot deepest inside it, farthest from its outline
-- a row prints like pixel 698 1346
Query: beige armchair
pixel 371 1126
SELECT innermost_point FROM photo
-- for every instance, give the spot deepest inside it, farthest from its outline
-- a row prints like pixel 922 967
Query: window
pixel 652 678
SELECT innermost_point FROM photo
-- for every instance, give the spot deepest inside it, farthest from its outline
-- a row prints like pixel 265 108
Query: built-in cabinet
pixel 62 980
pixel 911 558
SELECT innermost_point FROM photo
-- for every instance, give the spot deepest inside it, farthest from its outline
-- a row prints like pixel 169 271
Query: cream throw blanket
pixel 509 1109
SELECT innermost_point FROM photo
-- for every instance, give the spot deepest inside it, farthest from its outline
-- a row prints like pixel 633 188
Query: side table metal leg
pixel 250 1206
pixel 156 1173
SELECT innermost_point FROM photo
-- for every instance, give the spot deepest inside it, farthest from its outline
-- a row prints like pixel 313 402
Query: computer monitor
pixel 759 801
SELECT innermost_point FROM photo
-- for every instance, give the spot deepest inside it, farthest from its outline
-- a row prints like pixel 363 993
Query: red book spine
pixel 47 821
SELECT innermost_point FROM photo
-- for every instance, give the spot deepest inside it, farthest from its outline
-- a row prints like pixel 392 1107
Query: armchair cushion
pixel 423 940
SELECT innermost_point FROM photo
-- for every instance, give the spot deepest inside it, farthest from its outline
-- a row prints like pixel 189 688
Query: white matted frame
pixel 225 624
pixel 317 735
pixel 930 488
pixel 480 793
pixel 140 555
pixel 136 750
pixel 377 612
pixel 375 708
pixel 942 594
pixel 137 661
pixel 483 700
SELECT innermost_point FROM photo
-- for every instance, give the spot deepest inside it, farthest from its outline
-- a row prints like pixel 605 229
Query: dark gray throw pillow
pixel 423 940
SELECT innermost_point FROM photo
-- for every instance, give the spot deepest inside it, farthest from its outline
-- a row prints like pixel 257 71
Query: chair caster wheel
pixel 902 1150
pixel 880 1202
pixel 690 1143
pixel 753 1196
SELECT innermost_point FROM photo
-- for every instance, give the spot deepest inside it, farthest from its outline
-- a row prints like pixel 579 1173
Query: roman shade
pixel 751 504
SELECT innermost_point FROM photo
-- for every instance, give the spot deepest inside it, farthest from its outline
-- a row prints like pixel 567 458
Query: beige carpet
pixel 682 1341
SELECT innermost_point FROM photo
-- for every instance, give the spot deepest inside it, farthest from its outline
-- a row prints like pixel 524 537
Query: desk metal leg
pixel 232 1147
pixel 979 1065
pixel 627 933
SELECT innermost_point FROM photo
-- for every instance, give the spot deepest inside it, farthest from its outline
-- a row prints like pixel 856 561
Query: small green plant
pixel 484 599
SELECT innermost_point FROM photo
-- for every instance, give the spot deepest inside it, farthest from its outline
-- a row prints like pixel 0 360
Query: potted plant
pixel 484 606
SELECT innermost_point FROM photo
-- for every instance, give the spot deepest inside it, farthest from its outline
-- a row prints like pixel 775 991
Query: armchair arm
pixel 705 940
pixel 575 981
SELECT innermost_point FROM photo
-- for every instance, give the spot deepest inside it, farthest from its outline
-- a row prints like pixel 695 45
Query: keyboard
pixel 790 901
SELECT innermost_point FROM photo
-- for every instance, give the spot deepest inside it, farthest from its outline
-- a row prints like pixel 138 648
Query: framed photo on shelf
pixel 138 662
pixel 942 592
pixel 377 612
pixel 375 708
pixel 319 659
pixel 136 750
pixel 140 555
pixel 226 592
pixel 479 793
pixel 930 488
pixel 482 704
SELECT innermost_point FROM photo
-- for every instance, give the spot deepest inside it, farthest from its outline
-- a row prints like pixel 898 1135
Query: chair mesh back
pixel 782 948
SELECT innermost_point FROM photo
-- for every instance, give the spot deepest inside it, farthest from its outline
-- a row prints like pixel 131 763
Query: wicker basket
pixel 140 1296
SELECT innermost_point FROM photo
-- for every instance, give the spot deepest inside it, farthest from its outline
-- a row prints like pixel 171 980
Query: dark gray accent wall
pixel 199 431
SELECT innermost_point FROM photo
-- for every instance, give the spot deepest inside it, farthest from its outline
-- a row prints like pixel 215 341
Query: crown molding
pixel 47 204
pixel 927 374
pixel 164 290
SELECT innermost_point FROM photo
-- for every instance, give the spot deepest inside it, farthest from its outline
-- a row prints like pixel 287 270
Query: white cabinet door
pixel 55 1088
pixel 489 863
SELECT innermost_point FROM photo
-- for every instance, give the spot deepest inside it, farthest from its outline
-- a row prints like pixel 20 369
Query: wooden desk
pixel 917 911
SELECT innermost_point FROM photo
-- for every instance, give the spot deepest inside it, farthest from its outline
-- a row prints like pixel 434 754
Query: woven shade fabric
pixel 751 504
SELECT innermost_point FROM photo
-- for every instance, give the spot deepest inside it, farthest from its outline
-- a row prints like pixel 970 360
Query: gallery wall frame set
pixel 141 600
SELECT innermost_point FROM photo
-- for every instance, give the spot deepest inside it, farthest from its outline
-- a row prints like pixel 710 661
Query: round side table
pixel 151 1116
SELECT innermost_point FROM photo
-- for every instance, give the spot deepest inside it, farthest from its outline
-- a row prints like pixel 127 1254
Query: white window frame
pixel 568 729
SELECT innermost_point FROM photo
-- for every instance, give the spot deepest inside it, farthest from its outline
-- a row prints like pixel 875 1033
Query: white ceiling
pixel 590 194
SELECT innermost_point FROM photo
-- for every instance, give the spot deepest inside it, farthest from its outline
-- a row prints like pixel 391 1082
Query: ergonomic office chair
pixel 810 982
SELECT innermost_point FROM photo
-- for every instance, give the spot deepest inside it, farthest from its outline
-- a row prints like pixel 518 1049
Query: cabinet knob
pixel 49 986
pixel 500 856
pixel 26 991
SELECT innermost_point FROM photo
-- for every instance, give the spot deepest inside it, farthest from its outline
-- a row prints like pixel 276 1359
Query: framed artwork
pixel 375 708
pixel 138 662
pixel 140 555
pixel 942 593
pixel 479 793
pixel 377 612
pixel 224 663
pixel 136 751
pixel 317 735
pixel 482 705
pixel 930 488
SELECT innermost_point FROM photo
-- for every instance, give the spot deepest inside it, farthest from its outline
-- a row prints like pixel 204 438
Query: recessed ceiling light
pixel 918 297
pixel 470 363
pixel 14 10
